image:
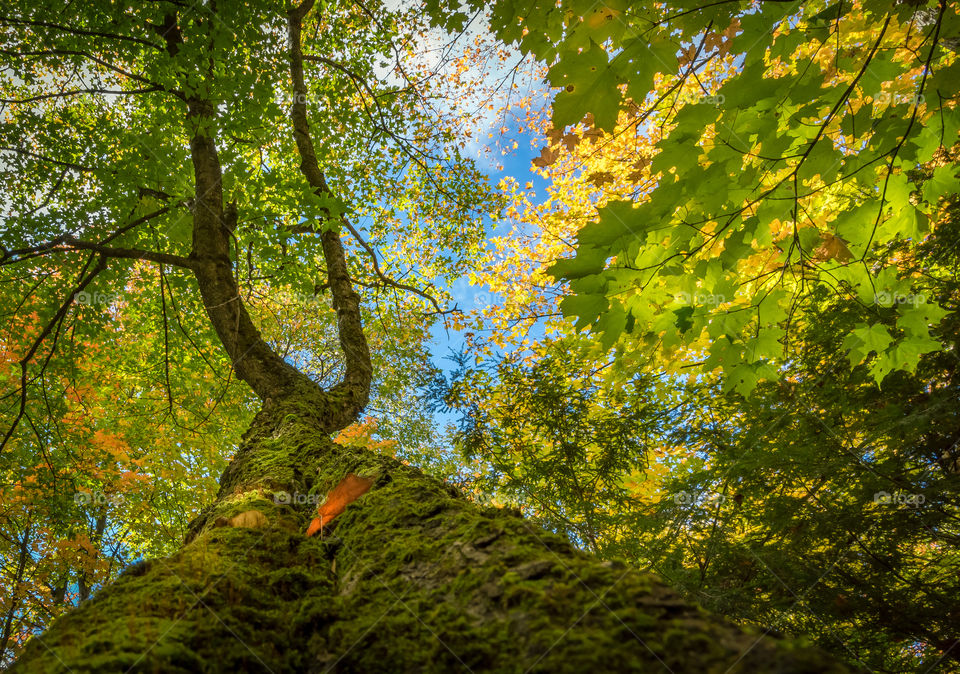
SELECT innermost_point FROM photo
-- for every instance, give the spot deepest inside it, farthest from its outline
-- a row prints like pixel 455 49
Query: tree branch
pixel 131 253
pixel 79 92
pixel 386 280
pixel 89 56
pixel 48 328
pixel 77 31
pixel 254 361
pixel 67 242
pixel 354 390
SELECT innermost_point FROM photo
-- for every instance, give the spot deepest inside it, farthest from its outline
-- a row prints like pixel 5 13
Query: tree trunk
pixel 411 577
pixel 15 593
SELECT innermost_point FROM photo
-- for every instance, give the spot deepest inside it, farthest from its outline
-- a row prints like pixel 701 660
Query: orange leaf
pixel 349 490
pixel 316 524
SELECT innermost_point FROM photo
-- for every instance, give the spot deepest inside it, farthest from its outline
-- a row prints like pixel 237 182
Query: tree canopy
pixel 120 407
pixel 718 338
pixel 750 208
pixel 782 143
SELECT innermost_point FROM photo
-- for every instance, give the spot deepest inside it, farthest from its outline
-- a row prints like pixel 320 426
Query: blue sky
pixel 516 163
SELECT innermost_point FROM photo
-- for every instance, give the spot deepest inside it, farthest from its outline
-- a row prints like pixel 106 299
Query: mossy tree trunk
pixel 411 577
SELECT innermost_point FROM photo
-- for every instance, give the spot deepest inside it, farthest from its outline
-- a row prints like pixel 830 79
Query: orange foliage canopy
pixel 349 490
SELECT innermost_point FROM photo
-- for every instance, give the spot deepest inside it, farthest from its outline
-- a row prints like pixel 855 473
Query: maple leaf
pixel 832 248
pixel 593 135
pixel 601 178
pixel 546 158
pixel 555 135
pixel 349 490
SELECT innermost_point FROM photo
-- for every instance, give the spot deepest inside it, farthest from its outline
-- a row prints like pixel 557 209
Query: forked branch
pixel 354 390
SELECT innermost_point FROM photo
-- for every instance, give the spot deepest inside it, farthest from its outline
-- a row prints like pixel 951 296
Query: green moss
pixel 411 577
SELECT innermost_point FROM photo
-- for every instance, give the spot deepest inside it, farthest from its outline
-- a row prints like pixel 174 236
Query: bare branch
pixel 386 280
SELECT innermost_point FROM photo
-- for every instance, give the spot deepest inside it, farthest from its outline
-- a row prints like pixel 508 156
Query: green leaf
pixel 743 379
pixel 875 337
pixel 869 338
pixel 823 160
pixel 943 183
pixel 640 60
pixel 766 344
pixel 906 353
pixel 611 325
pixel 855 226
pixel 616 219
pixel 882 366
pixel 693 119
pixel 916 317
pixel 585 308
pixel 589 85
pixel 772 308
pixel 589 260
pixel 682 321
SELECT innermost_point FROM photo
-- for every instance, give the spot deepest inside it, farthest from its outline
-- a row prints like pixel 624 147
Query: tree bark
pixel 411 577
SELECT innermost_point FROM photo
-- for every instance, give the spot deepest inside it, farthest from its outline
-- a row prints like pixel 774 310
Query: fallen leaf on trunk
pixel 349 490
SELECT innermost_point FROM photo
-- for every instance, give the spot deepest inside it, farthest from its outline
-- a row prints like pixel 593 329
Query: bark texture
pixel 411 577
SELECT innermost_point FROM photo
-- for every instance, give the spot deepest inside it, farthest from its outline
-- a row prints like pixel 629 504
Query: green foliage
pixel 793 268
pixel 127 398
pixel 822 505
pixel 804 163
pixel 560 435
pixel 789 141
